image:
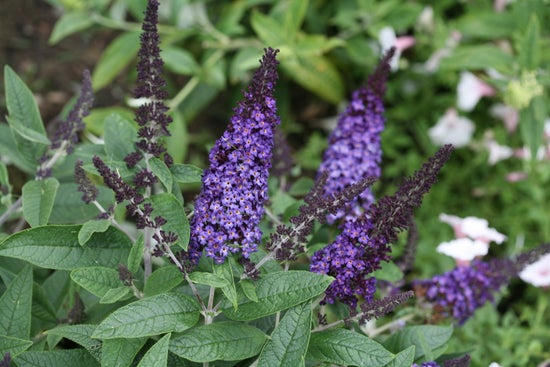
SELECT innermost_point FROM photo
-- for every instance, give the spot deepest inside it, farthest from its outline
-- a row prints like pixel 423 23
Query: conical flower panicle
pixel 234 187
pixel 354 148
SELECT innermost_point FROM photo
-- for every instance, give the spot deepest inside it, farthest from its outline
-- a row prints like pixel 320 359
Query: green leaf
pixel 91 227
pixel 288 343
pixel 42 307
pixel 301 187
pixel 115 294
pixel 529 47
pixel 245 59
pixel 225 340
pixel 294 16
pixel 9 150
pixel 69 23
pixel 186 173
pixel 29 134
pixel 57 247
pixel 179 61
pixel 279 291
pixel 225 271
pixel 69 207
pixel 488 25
pixel 346 347
pixel 95 121
pixel 96 279
pixel 162 172
pixel 163 313
pixel 163 280
pixel 269 30
pixel 431 336
pixel 167 206
pixel 157 355
pixel 56 358
pixel 80 334
pixel 120 352
pixel 315 73
pixel 389 272
pixel 23 115
pixel 13 346
pixel 38 200
pixel 15 306
pixel 249 289
pixel 115 58
pixel 532 124
pixel 119 136
pixel 136 254
pixel 477 57
pixel 213 280
pixel 405 358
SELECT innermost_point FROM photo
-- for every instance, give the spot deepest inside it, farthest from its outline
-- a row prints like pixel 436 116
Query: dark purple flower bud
pixel 463 361
pixel 6 361
pixel 125 275
pixel 112 180
pixel 234 187
pixel 460 292
pixel 144 178
pixel 85 185
pixel 380 307
pixel 426 364
pixel 354 148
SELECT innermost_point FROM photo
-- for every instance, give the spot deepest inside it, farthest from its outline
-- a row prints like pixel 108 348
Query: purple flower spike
pixel 354 146
pixel 234 187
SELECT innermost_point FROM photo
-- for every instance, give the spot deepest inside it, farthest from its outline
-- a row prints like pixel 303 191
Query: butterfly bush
pixel 234 187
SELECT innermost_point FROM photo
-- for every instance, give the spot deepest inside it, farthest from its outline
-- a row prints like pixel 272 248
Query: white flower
pixel 473 227
pixel 470 90
pixel 537 273
pixel 388 39
pixel 426 19
pixel 508 115
pixel 494 364
pixel 463 249
pixel 452 129
pixel 497 152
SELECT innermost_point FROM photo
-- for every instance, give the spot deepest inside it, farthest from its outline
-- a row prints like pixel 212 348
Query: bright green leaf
pixel 157 355
pixel 225 340
pixel 96 280
pixel 163 313
pixel 15 306
pixel 347 347
pixel 532 124
pixel 163 280
pixel 69 23
pixel 56 358
pixel 489 25
pixel 57 247
pixel 269 30
pixel 91 227
pixel 120 352
pixel 162 172
pixel 288 343
pixel 119 136
pixel 115 58
pixel 294 16
pixel 168 207
pixel 38 200
pixel 279 291
pixel 529 47
pixel 213 280
pixel 186 173
pixel 95 121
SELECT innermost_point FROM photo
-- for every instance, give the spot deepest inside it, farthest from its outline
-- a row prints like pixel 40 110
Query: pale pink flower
pixel 470 90
pixel 473 227
pixel 432 64
pixel 537 273
pixel 508 115
pixel 463 250
pixel 516 176
pixel 389 39
pixel 452 129
pixel 497 152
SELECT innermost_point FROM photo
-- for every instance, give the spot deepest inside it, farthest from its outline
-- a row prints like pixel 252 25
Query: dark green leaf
pixel 120 352
pixel 119 136
pixel 225 271
pixel 301 187
pixel 115 294
pixel 13 346
pixel 405 358
pixel 389 272
pixel 57 247
pixel 96 280
pixel 23 115
pixel 529 47
pixel 288 343
pixel 136 254
pixel 29 134
pixel 431 336
pixel 162 172
pixel 42 308
pixel 15 306
pixel 225 340
pixel 9 150
pixel 91 227
pixel 38 200
pixel 186 173
pixel 346 347
pixel 210 279
pixel 163 280
pixel 69 207
pixel 168 207
pixel 163 313
pixel 69 23
pixel 279 291
pixel 56 358
pixel 80 334
pixel 157 355
pixel 115 58
pixel 249 289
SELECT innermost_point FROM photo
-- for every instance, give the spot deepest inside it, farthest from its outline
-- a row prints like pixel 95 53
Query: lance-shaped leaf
pixel 38 200
pixel 15 306
pixel 80 334
pixel 346 347
pixel 13 346
pixel 56 358
pixel 225 340
pixel 428 340
pixel 163 313
pixel 157 355
pixel 120 352
pixel 288 343
pixel 279 291
pixel 57 247
pixel 167 206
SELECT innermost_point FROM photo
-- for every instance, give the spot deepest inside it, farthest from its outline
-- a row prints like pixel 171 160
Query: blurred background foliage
pixel 327 49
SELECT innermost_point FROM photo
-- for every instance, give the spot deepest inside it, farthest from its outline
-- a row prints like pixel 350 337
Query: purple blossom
pixel 426 364
pixel 150 116
pixel 354 145
pixel 461 291
pixel 85 185
pixel 364 242
pixel 234 187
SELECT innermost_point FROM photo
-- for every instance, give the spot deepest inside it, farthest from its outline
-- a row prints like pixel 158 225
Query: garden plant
pixel 346 212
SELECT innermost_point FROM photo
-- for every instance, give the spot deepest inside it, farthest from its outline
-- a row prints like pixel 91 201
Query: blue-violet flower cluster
pixel 234 187
pixel 354 148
